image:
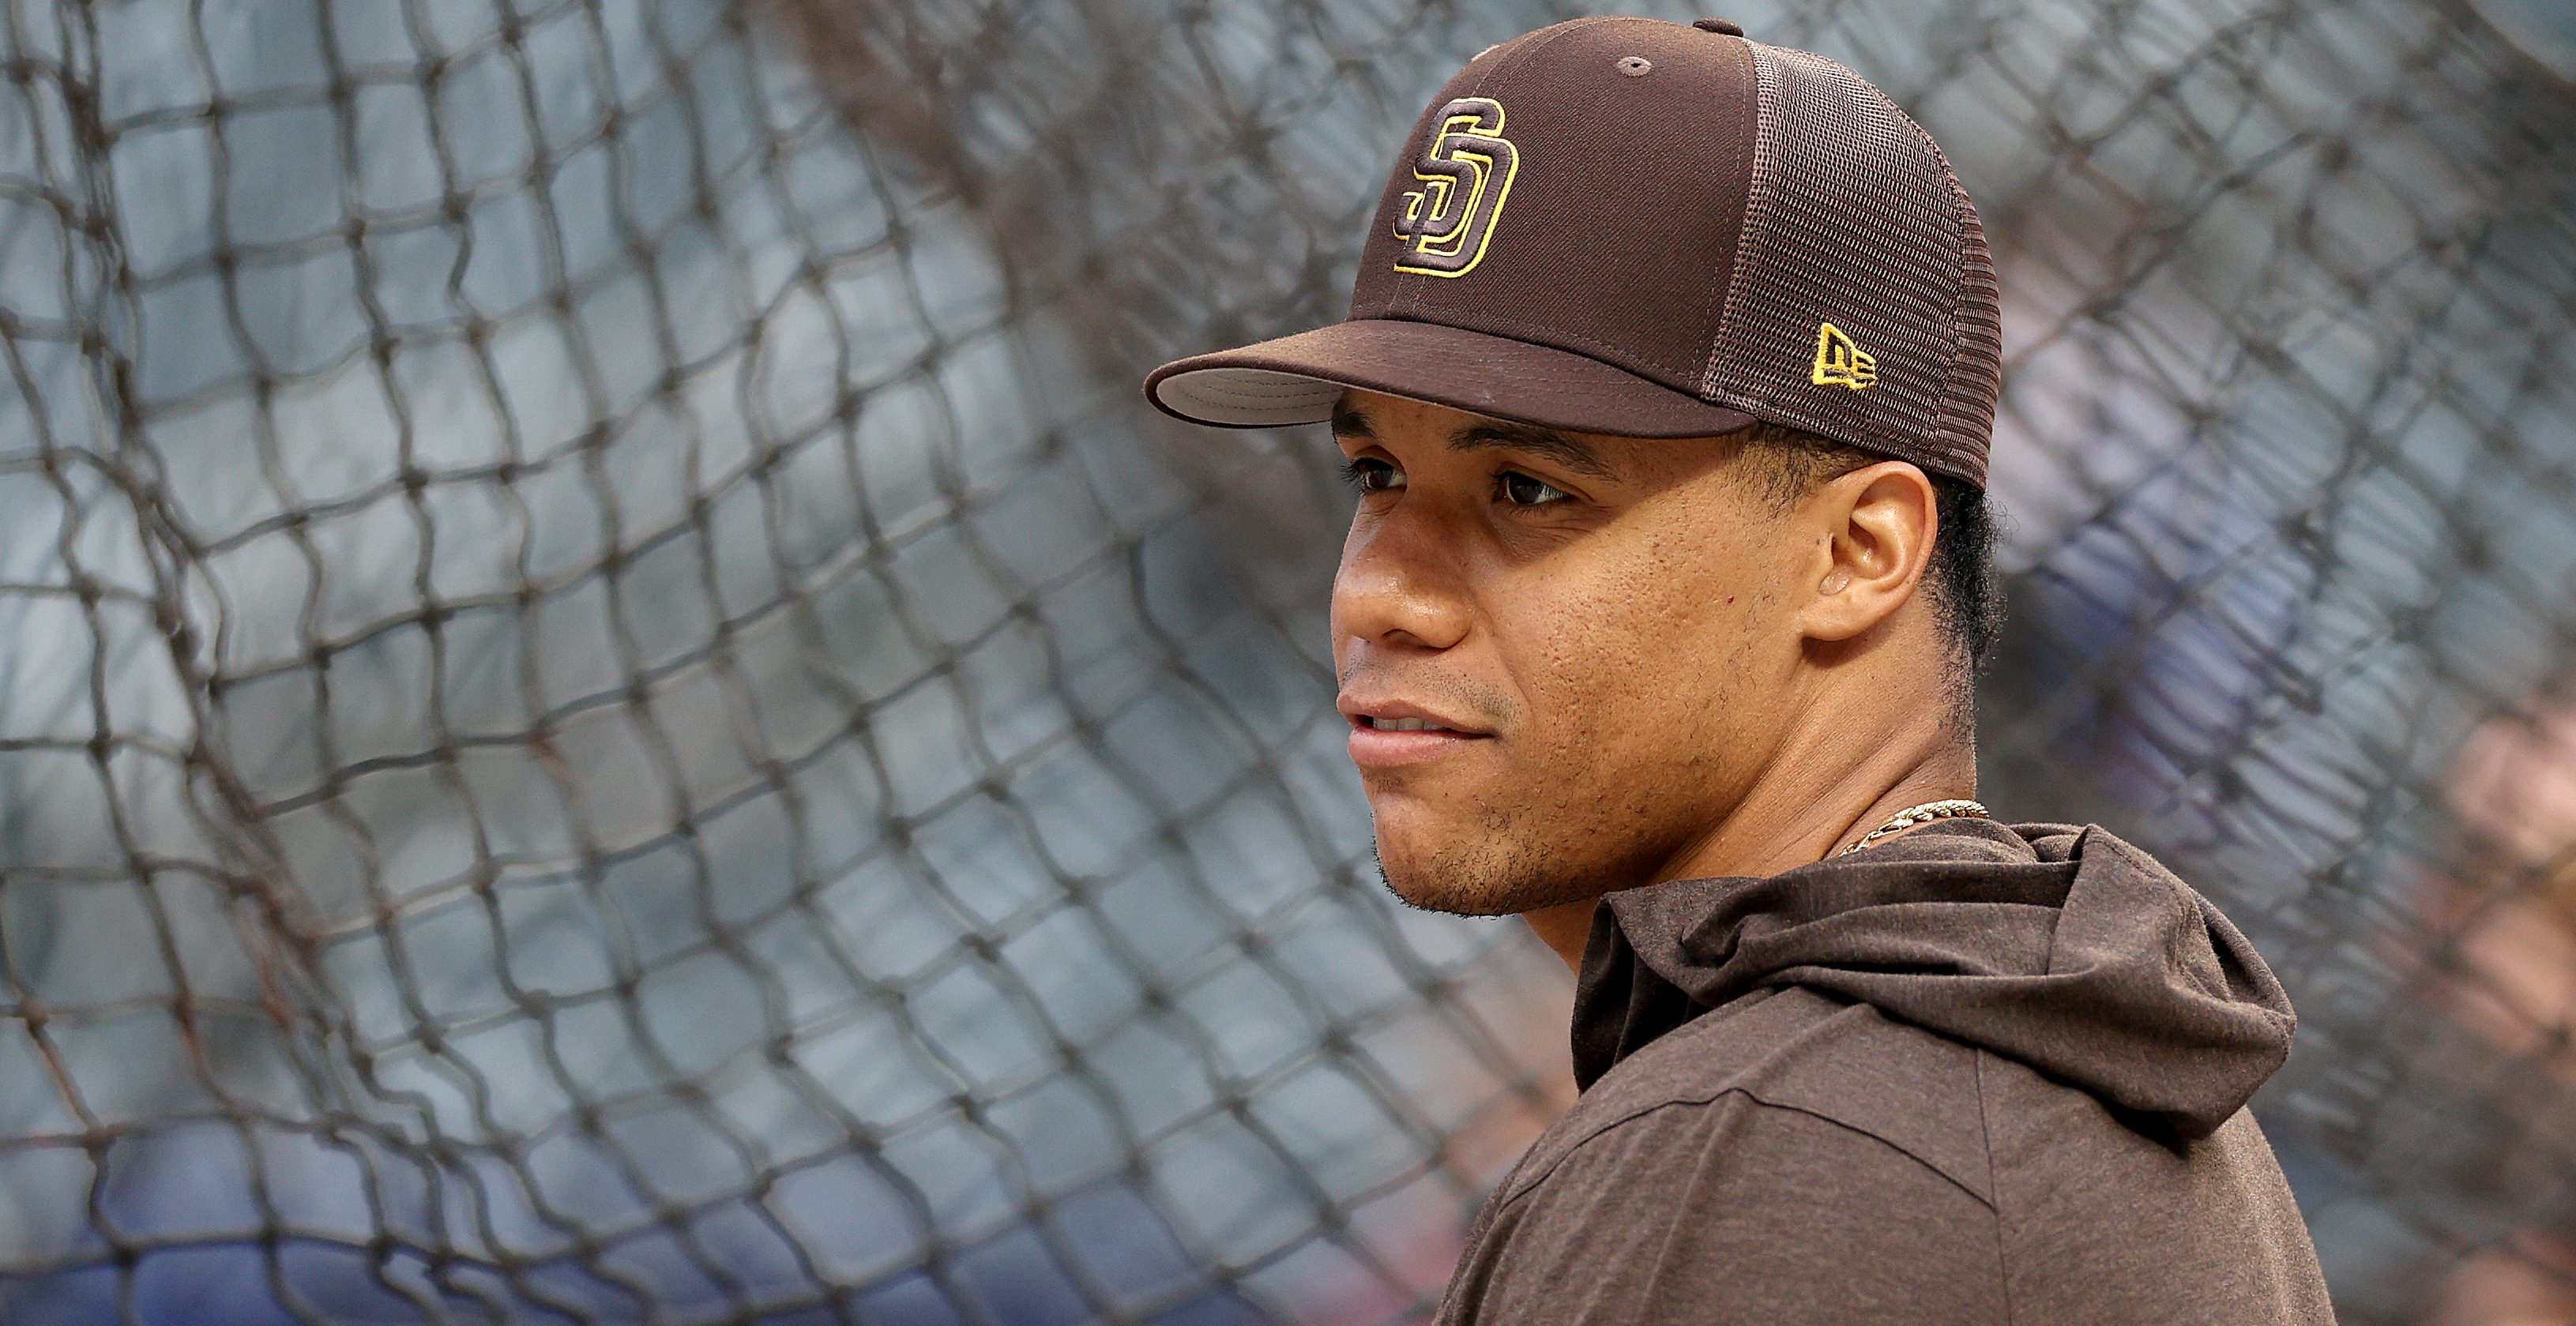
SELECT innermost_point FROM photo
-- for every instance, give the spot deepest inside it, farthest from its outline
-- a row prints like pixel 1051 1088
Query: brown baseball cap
pixel 1627 226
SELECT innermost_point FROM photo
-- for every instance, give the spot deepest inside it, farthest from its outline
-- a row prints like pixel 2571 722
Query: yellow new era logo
pixel 1839 363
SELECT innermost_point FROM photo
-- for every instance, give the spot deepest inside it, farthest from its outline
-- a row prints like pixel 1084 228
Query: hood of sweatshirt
pixel 2061 947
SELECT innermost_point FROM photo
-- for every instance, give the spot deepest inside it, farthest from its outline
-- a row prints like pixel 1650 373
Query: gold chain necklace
pixel 1922 814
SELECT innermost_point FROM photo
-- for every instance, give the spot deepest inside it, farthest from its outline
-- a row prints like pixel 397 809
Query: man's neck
pixel 1816 797
pixel 1794 822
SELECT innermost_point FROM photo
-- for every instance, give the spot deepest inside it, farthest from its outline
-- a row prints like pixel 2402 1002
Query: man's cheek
pixel 1589 699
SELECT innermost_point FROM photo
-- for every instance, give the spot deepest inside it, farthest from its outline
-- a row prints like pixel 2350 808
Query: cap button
pixel 1727 26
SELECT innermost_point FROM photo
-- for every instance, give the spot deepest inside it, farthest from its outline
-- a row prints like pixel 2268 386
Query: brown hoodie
pixel 1973 1074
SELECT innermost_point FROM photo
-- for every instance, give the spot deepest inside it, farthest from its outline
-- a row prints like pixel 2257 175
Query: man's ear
pixel 1877 525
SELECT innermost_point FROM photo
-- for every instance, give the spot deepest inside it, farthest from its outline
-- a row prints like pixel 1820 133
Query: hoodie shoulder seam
pixel 1522 1189
pixel 1994 1181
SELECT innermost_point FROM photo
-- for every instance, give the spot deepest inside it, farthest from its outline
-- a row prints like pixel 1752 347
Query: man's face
pixel 1597 621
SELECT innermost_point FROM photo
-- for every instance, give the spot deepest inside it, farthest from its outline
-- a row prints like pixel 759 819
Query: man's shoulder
pixel 1730 1172
pixel 1884 1083
pixel 1831 1119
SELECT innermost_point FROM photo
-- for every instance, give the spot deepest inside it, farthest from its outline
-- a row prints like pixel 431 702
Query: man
pixel 1667 387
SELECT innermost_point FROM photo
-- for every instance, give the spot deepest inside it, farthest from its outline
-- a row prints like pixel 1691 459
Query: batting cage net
pixel 612 710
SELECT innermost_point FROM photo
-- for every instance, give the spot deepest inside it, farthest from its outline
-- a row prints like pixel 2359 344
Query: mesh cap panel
pixel 1856 223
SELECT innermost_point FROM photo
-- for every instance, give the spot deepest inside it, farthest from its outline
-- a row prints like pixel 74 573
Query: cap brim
pixel 1296 379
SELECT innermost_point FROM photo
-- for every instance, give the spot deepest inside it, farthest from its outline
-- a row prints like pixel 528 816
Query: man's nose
pixel 1402 583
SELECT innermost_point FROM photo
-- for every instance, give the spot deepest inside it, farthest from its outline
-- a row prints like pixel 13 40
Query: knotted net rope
pixel 612 711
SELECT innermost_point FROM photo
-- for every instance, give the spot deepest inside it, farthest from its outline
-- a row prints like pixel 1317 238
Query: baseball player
pixel 1667 387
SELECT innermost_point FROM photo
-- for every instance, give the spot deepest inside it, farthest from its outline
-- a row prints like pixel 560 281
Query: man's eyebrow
pixel 1348 422
pixel 1580 457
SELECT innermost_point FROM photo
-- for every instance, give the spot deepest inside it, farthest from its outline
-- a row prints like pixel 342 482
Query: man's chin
pixel 1442 857
pixel 1465 880
pixel 1438 891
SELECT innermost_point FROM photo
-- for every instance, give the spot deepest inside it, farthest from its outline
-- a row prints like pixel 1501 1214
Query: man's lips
pixel 1386 733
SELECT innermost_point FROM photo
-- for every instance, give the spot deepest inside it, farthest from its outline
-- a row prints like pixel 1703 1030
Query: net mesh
pixel 611 709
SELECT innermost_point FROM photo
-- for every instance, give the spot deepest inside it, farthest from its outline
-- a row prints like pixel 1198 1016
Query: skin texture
pixel 1657 667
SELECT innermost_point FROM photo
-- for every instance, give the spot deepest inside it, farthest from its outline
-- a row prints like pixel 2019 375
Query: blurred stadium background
pixel 611 710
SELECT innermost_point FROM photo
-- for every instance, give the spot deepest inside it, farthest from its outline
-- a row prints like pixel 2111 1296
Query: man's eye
pixel 1371 475
pixel 1522 490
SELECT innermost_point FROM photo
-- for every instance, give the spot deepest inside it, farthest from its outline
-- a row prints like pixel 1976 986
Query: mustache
pixel 1489 706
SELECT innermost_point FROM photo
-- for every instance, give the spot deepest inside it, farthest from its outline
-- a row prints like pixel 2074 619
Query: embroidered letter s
pixel 1466 171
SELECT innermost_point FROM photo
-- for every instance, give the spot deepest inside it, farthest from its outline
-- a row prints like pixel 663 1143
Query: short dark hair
pixel 1961 575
